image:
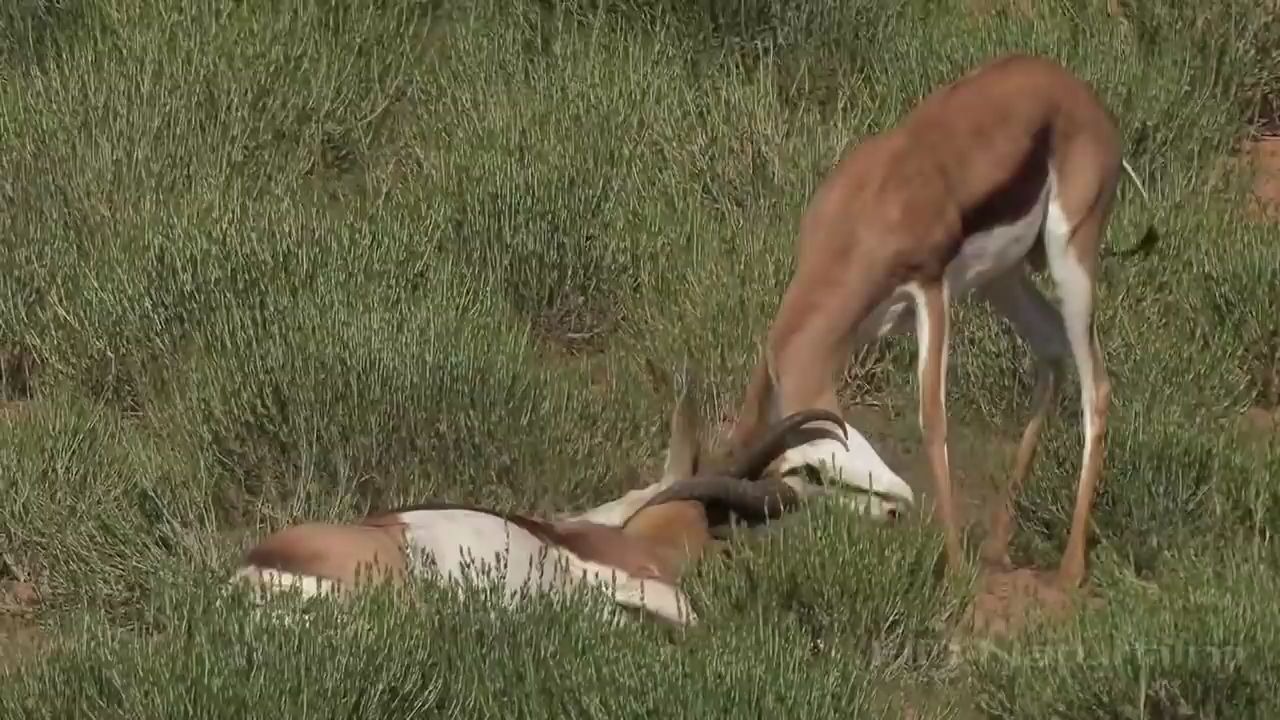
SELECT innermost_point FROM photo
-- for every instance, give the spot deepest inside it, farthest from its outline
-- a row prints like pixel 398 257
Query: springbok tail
pixel 1151 237
pixel 1134 176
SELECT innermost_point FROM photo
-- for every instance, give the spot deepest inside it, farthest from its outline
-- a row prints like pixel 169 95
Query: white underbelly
pixel 982 256
pixel 991 252
pixel 476 547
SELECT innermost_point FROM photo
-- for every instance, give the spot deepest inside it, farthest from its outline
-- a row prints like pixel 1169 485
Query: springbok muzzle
pixel 852 470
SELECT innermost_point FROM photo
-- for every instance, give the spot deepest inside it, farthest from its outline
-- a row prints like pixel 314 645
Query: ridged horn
pixel 784 435
pixel 721 495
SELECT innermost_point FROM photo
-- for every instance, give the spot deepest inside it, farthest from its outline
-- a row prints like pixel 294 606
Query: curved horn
pixel 721 495
pixel 780 438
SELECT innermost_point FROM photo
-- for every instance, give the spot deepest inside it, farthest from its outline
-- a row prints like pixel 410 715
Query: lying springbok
pixel 639 563
pixel 1013 166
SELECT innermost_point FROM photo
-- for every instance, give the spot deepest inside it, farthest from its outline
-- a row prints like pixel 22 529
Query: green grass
pixel 274 261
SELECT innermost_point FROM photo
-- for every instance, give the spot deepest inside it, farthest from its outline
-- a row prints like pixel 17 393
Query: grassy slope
pixel 278 260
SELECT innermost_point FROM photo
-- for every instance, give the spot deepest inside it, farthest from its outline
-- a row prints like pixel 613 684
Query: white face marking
pixel 861 468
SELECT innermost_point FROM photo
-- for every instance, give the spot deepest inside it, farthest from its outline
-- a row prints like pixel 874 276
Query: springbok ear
pixel 684 446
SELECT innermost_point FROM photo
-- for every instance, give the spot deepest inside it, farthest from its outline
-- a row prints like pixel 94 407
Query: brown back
pixel 335 552
pixel 971 155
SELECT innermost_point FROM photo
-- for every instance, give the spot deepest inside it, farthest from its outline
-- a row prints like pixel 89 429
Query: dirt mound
pixel 1007 600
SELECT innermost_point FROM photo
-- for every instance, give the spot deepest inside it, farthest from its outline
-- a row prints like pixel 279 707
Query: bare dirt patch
pixel 20 643
pixel 575 325
pixel 1262 419
pixel 1264 160
pixel 20 637
pixel 17 374
pixel 14 409
pixel 1260 424
pixel 1008 601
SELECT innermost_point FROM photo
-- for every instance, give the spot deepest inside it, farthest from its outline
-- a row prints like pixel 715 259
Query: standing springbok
pixel 1013 165
pixel 639 563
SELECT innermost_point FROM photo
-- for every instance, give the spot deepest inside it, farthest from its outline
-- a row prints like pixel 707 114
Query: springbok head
pixel 693 471
pixel 818 454
pixel 748 489
pixel 812 453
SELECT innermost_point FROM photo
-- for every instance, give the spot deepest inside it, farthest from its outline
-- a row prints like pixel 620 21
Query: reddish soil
pixel 20 637
pixel 1264 158
pixel 1261 420
pixel 1008 601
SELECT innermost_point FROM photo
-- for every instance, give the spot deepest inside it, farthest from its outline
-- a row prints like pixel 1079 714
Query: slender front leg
pixel 805 347
pixel 754 414
pixel 932 331
pixel 1015 297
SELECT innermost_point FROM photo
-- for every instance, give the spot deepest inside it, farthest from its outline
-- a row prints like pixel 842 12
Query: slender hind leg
pixel 1072 256
pixel 1015 297
pixel 932 338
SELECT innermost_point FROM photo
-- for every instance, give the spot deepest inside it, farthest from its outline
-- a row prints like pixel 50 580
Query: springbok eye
pixel 807 473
